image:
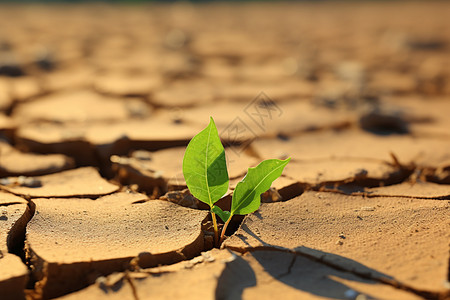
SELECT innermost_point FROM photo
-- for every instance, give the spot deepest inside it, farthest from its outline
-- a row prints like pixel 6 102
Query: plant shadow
pixel 305 269
pixel 237 276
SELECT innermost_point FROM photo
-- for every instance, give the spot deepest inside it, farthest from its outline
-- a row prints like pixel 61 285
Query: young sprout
pixel 206 175
pixel 205 169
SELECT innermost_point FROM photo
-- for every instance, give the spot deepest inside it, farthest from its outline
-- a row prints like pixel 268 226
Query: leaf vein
pixel 255 188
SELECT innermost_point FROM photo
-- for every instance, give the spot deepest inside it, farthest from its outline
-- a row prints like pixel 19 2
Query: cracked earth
pixel 97 105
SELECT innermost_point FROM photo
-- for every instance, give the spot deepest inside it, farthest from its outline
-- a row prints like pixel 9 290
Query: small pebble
pixel 351 294
pixel 361 297
pixel 208 257
pixel 367 208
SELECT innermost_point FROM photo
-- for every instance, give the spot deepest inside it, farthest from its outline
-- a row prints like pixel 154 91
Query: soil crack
pixel 16 237
pixel 392 282
pixel 133 287
pixel 289 270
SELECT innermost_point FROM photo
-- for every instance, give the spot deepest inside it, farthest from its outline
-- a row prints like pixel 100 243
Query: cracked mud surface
pixel 96 237
pixel 97 104
pixel 358 230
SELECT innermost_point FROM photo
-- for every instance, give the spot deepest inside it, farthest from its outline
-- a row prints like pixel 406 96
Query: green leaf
pixel 224 215
pixel 205 167
pixel 246 196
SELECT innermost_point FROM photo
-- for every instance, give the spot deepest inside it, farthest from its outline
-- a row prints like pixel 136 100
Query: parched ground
pixel 97 104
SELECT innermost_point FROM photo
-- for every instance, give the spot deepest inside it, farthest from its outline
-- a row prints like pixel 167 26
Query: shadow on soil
pixel 305 269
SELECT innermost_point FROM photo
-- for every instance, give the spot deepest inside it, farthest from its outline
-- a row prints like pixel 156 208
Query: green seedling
pixel 205 169
pixel 206 175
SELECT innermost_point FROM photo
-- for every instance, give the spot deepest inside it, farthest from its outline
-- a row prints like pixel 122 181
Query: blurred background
pixel 355 92
pixel 91 80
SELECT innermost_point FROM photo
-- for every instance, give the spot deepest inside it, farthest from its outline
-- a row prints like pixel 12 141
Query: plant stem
pixel 222 235
pixel 216 229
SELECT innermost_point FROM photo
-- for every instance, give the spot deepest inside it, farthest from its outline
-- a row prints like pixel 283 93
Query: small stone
pixel 29 181
pixel 351 294
pixel 208 257
pixel 361 297
pixel 367 208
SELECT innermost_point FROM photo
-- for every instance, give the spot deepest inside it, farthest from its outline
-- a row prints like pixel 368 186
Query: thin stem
pixel 222 235
pixel 216 229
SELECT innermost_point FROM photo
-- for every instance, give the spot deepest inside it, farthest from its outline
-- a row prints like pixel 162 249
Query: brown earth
pixel 97 104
